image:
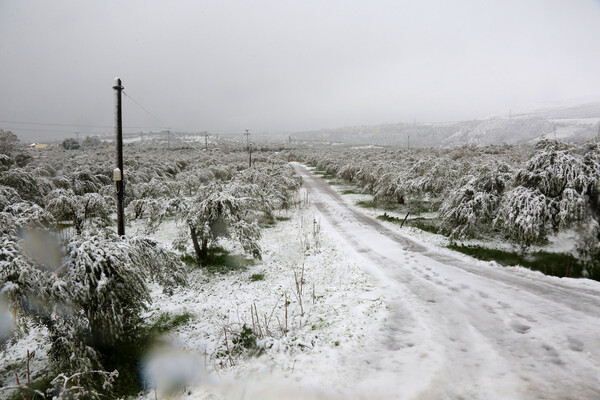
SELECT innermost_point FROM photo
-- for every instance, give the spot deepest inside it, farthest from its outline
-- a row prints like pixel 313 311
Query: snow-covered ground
pixel 462 328
pixel 385 315
pixel 343 314
pixel 13 358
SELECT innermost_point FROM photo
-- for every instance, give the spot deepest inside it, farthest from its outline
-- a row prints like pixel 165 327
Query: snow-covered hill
pixel 571 124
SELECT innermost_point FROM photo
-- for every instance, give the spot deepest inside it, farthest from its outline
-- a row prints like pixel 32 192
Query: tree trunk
pixel 77 225
pixel 204 247
pixel 196 244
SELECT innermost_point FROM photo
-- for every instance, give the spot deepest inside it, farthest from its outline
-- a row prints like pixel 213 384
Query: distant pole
pixel 169 139
pixel 206 140
pixel 408 140
pixel 118 173
pixel 248 147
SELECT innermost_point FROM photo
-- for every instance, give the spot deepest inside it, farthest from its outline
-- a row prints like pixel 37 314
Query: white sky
pixel 280 65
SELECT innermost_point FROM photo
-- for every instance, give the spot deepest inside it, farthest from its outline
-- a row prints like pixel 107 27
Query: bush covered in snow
pixel 472 207
pixel 523 193
pixel 89 296
pixel 553 191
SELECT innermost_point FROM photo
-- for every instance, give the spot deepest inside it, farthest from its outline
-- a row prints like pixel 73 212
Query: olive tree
pixel 553 191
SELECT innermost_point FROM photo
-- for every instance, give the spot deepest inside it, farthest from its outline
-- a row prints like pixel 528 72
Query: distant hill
pixel 571 124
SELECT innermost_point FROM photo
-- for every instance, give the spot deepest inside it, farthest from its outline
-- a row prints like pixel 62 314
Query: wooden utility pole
pixel 248 147
pixel 118 172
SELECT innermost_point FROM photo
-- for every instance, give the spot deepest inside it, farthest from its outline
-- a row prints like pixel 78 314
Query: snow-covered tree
pixel 29 187
pixel 85 181
pixel 87 210
pixel 389 188
pixel 70 144
pixel 271 186
pixel 8 142
pixel 471 208
pixel 91 142
pixel 5 162
pixel 220 211
pixel 553 191
pixel 30 215
pixel 92 297
pixel 8 196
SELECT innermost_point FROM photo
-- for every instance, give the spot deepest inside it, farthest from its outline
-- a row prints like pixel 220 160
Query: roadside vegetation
pixel 523 195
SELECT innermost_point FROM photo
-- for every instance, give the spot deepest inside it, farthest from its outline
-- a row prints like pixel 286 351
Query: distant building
pixel 38 145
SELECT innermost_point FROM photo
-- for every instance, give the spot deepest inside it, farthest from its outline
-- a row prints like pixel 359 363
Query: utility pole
pixel 248 147
pixel 118 172
pixel 205 140
pixel 169 138
pixel 408 140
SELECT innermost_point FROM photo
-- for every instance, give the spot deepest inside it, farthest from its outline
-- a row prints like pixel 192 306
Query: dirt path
pixel 466 329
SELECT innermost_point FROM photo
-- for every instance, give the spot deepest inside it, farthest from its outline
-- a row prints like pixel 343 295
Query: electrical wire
pixel 162 125
pixel 145 110
pixel 71 125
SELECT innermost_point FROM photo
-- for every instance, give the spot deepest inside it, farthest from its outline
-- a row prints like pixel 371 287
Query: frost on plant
pixel 554 190
pixel 93 298
pixel 472 207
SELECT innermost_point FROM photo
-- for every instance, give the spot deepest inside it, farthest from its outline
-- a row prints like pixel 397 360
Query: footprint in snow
pixel 489 309
pixel 519 327
pixel 575 344
pixel 529 318
pixel 553 354
pixel 503 305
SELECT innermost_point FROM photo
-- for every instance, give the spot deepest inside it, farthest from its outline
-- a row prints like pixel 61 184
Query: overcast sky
pixel 272 66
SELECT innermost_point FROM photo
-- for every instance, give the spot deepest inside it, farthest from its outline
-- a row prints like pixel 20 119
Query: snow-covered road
pixel 461 328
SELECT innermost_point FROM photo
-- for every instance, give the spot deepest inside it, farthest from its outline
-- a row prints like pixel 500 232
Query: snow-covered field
pixel 343 313
pixel 387 313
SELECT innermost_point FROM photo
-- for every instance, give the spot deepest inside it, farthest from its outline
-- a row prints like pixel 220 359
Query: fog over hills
pixel 571 124
pixel 567 123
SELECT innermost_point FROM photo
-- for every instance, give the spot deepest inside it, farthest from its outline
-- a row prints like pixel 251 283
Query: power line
pixel 66 131
pixel 70 125
pixel 53 131
pixel 145 110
